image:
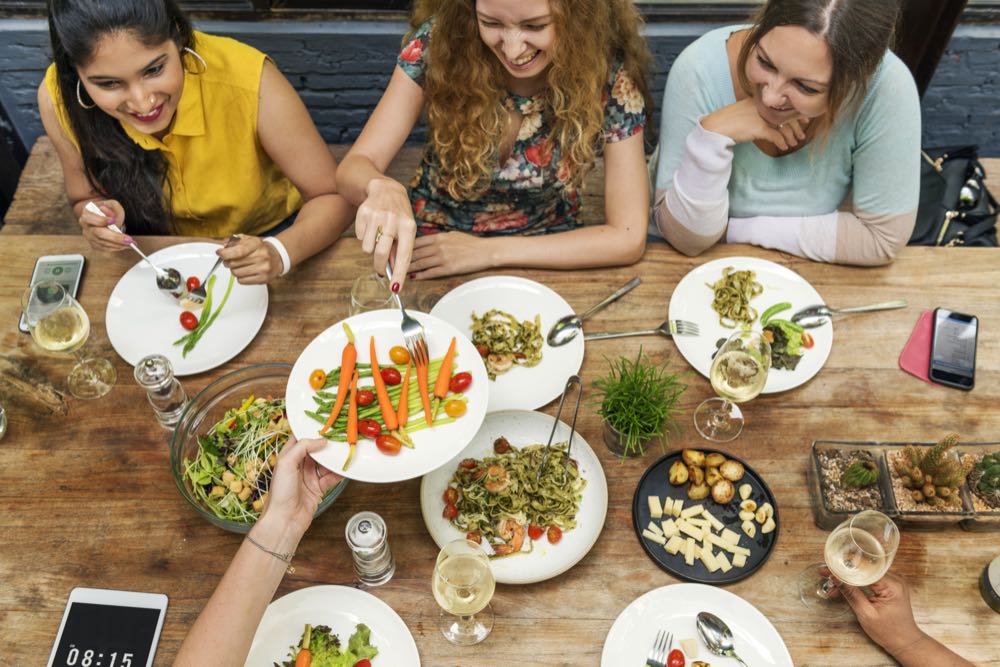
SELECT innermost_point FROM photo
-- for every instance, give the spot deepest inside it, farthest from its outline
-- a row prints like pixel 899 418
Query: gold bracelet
pixel 284 558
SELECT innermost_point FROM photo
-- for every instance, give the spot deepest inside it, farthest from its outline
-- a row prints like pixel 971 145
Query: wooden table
pixel 87 497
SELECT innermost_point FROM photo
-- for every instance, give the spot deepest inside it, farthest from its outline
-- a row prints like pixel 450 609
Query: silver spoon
pixel 815 316
pixel 566 328
pixel 717 636
pixel 168 280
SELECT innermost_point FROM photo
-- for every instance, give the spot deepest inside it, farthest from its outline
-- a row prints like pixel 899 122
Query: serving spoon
pixel 815 316
pixel 717 636
pixel 566 328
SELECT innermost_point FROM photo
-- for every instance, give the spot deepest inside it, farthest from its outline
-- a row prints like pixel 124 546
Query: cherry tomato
pixel 399 355
pixel 450 512
pixel 317 378
pixel 451 496
pixel 193 283
pixel 365 397
pixel 474 537
pixel 391 376
pixel 554 534
pixel 501 445
pixel 189 320
pixel 460 382
pixel 482 350
pixel 676 658
pixel 455 408
pixel 468 464
pixel 535 532
pixel 807 340
pixel 364 662
pixel 369 428
pixel 387 444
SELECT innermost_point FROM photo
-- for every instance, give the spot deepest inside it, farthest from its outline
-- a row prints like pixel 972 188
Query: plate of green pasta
pixel 533 528
pixel 726 294
pixel 507 318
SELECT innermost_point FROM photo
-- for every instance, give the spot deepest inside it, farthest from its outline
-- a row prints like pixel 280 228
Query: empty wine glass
pixel 58 323
pixel 738 374
pixel 463 586
pixel 370 291
pixel 858 552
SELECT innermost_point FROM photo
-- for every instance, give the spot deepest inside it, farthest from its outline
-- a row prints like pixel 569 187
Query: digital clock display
pixel 99 635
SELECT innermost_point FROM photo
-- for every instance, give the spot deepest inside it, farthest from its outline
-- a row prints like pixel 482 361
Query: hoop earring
pixel 79 98
pixel 204 65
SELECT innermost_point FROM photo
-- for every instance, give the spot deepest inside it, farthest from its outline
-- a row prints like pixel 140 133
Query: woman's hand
pixel 251 261
pixel 386 215
pixel 95 227
pixel 449 254
pixel 298 485
pixel 741 123
pixel 886 616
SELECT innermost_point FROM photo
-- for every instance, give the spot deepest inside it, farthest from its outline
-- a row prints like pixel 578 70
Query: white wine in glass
pixel 64 330
pixel 738 374
pixel 463 586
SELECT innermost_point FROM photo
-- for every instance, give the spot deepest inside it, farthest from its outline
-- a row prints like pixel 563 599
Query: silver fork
pixel 413 331
pixel 199 293
pixel 661 646
pixel 668 328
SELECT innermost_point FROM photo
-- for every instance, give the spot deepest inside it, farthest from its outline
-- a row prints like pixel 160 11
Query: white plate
pixel 520 388
pixel 675 608
pixel 141 320
pixel 545 561
pixel 341 608
pixel 432 446
pixel 692 301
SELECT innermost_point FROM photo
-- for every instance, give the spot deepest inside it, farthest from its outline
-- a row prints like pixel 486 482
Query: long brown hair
pixel 857 32
pixel 464 80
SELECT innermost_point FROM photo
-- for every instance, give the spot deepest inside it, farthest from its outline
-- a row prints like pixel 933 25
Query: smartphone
pixel 953 349
pixel 108 628
pixel 66 270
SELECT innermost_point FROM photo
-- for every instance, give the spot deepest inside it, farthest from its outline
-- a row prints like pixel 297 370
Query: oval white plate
pixel 521 428
pixel 519 388
pixel 674 609
pixel 432 446
pixel 341 608
pixel 141 320
pixel 692 301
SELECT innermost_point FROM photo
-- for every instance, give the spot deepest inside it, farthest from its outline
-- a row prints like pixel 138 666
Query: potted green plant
pixel 638 402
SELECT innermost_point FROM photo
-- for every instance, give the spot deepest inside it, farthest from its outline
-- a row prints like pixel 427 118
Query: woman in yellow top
pixel 172 131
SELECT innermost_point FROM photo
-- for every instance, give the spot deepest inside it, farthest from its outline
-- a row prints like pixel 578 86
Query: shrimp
pixel 500 362
pixel 512 533
pixel 497 479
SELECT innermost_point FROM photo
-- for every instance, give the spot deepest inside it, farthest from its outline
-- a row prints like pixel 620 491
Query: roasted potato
pixel 723 492
pixel 693 457
pixel 732 470
pixel 714 460
pixel 678 473
pixel 698 491
pixel 696 475
pixel 712 475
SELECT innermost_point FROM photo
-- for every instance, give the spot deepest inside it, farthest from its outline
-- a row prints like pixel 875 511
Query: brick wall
pixel 340 69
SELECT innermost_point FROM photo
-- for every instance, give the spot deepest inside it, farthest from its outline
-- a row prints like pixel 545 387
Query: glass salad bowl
pixel 224 475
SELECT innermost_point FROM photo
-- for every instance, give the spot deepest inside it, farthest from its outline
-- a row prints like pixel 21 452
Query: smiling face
pixel 138 84
pixel 521 34
pixel 790 71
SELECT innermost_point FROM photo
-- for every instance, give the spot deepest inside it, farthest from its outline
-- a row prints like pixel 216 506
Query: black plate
pixel 655 481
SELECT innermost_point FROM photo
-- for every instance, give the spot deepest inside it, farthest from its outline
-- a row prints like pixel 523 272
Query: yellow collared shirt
pixel 222 181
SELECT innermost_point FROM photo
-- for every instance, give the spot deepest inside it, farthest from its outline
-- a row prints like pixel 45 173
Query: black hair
pixel 115 165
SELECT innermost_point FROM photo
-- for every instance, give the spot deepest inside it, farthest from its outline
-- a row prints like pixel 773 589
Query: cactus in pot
pixel 931 475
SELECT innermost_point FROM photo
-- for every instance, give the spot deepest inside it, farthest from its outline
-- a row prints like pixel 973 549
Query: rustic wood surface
pixel 87 497
pixel 40 205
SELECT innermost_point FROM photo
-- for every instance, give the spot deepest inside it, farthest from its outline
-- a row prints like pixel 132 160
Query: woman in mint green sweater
pixel 768 130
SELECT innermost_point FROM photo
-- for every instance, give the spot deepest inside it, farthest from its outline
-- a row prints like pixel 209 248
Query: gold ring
pixel 378 234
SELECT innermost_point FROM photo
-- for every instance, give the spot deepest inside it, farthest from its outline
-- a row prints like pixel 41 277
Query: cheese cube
pixel 690 648
pixel 674 544
pixel 678 506
pixel 669 528
pixel 701 523
pixel 659 539
pixel 655 508
pixel 653 528
pixel 713 539
pixel 709 560
pixel 715 523
pixel 739 550
pixel 688 529
pixel 730 537
pixel 694 510
pixel 739 560
pixel 668 506
pixel 723 562
pixel 689 551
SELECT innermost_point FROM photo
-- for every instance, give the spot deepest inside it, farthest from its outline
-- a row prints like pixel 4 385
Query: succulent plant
pixel 860 474
pixel 931 475
pixel 985 477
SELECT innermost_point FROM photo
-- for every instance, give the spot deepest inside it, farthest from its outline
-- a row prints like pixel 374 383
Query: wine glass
pixel 58 323
pixel 370 291
pixel 738 374
pixel 463 586
pixel 858 552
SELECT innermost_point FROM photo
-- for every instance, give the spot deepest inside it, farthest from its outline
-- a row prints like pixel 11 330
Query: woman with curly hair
pixel 521 98
pixel 768 128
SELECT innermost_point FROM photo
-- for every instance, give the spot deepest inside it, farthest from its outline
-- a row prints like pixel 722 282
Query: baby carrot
pixel 444 376
pixel 348 359
pixel 304 658
pixel 403 409
pixel 384 404
pixel 352 419
pixel 424 397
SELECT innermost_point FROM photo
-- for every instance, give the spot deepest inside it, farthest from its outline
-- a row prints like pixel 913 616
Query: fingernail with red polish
pixel 411 276
pixel 395 288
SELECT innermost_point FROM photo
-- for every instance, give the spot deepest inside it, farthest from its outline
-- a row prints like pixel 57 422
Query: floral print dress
pixel 529 194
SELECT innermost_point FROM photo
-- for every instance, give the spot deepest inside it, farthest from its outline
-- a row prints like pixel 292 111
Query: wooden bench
pixel 40 205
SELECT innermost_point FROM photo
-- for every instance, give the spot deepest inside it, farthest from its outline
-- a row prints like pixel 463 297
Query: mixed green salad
pixel 323 648
pixel 788 340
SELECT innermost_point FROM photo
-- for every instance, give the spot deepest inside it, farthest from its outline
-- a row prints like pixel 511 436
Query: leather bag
pixel 955 207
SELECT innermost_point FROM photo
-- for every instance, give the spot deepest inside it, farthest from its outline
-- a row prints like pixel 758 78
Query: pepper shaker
pixel 366 536
pixel 155 374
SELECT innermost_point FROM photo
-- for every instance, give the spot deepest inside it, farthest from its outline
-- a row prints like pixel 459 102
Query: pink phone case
pixel 915 358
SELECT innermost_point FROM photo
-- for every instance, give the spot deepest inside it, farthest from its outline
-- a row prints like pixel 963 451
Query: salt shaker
pixel 366 536
pixel 155 374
